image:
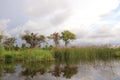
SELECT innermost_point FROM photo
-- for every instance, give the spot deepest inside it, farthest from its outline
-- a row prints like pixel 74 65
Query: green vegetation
pixel 85 54
pixel 9 43
pixel 31 50
pixel 67 36
pixel 33 40
pixel 56 37
pixel 27 55
pixel 64 54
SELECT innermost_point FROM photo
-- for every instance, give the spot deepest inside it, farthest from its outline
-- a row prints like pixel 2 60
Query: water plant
pixel 83 54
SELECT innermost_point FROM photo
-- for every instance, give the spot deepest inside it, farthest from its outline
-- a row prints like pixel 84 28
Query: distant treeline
pixel 35 40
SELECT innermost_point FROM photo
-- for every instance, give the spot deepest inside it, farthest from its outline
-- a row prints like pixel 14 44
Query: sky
pixel 94 22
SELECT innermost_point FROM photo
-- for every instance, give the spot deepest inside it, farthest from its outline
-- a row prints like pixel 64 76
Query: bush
pixel 8 58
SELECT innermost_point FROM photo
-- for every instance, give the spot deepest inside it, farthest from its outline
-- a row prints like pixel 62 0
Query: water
pixel 97 70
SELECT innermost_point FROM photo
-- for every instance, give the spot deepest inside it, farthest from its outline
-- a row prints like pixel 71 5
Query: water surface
pixel 97 70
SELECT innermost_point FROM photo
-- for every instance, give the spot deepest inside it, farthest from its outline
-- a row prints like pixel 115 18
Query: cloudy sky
pixel 93 21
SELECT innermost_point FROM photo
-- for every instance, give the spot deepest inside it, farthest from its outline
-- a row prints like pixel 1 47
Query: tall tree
pixel 56 37
pixel 41 39
pixel 9 43
pixel 67 36
pixel 33 39
pixel 1 37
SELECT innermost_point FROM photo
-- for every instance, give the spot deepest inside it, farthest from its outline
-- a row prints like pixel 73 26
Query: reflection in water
pixel 6 68
pixel 49 71
pixel 67 71
pixel 33 69
pixel 64 68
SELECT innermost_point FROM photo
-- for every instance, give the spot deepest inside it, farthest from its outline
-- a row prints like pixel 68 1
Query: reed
pixel 84 54
pixel 61 54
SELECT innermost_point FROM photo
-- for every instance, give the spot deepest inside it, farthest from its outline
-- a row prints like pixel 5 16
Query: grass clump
pixel 27 55
pixel 40 55
pixel 83 54
pixel 117 54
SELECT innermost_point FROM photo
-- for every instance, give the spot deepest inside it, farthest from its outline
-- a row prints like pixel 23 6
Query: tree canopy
pixel 33 39
pixel 56 37
pixel 9 43
pixel 1 37
pixel 67 36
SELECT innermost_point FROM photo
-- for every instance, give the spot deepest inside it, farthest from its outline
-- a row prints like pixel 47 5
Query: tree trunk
pixel 66 43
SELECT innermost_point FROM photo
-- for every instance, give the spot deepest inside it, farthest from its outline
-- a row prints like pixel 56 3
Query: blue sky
pixel 93 21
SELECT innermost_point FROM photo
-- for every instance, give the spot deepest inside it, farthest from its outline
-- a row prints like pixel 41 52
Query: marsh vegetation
pixel 33 61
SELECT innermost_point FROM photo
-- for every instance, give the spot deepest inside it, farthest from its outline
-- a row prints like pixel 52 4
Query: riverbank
pixel 26 55
pixel 62 54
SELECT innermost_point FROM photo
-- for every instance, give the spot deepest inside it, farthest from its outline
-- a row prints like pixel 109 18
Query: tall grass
pixel 28 55
pixel 64 55
pixel 84 54
pixel 1 53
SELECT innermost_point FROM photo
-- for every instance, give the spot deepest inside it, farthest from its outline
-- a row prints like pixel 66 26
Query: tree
pixel 16 47
pixel 67 36
pixel 1 37
pixel 56 37
pixel 33 39
pixel 23 46
pixel 41 39
pixel 9 43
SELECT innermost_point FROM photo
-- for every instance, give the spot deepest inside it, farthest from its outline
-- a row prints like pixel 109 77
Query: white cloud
pixel 48 16
pixel 100 35
pixel 4 26
pixel 43 8
pixel 68 14
pixel 85 12
pixel 4 23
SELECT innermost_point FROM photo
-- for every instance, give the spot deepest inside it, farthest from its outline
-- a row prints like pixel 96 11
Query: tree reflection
pixel 65 66
pixel 57 70
pixel 69 71
pixel 6 68
pixel 32 69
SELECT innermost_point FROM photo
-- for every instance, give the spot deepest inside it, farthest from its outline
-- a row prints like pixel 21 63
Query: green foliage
pixel 33 39
pixel 16 47
pixel 27 55
pixel 86 54
pixel 9 43
pixel 8 58
pixel 1 37
pixel 67 55
pixel 117 54
pixel 56 37
pixel 23 46
pixel 35 55
pixel 40 55
pixel 1 49
pixel 67 36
